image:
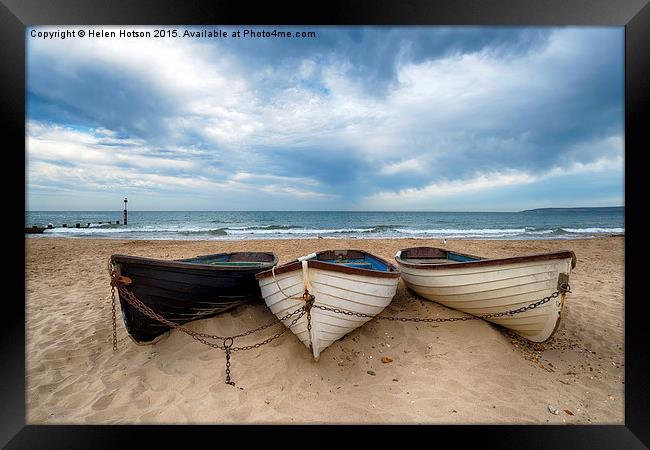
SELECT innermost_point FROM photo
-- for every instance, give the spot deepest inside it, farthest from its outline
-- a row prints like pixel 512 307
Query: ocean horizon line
pixel 574 208
pixel 551 223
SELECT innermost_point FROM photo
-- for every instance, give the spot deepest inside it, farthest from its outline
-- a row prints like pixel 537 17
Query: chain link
pixel 144 309
pixel 309 303
pixel 114 321
pixel 563 288
pixel 227 350
pixel 228 341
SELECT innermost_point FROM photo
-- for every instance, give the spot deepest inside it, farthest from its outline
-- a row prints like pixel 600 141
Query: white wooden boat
pixel 481 286
pixel 349 280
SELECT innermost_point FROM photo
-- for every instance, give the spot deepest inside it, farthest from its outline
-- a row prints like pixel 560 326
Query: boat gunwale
pixel 561 254
pixel 119 258
pixel 314 263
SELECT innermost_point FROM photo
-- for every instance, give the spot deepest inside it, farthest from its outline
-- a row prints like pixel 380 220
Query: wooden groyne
pixel 35 229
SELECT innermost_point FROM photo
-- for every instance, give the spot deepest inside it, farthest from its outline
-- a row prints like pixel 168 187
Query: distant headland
pixel 579 209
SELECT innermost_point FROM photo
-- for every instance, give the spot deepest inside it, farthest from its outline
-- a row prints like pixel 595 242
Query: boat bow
pixel 333 285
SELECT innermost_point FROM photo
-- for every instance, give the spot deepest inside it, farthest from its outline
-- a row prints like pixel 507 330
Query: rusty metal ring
pixel 232 341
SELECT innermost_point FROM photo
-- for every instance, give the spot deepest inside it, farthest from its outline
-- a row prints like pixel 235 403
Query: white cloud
pixel 418 165
pixel 89 160
pixel 481 183
pixel 274 184
pixel 448 188
pixel 264 178
pixel 65 145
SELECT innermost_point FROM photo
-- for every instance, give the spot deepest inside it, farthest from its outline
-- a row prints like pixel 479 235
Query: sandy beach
pixel 454 373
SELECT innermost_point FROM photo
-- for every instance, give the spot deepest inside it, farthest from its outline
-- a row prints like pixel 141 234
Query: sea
pixel 565 223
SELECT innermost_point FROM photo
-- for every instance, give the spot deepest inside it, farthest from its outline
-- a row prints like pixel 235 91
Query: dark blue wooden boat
pixel 184 290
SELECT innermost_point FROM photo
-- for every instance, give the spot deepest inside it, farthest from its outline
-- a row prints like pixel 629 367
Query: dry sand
pixel 461 372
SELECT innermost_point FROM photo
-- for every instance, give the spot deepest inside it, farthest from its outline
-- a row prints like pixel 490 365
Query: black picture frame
pixel 634 15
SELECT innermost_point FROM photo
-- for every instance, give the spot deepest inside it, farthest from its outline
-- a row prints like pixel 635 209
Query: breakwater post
pixel 125 201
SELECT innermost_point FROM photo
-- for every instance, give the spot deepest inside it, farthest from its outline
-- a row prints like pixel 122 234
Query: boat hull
pixel 181 292
pixel 353 291
pixel 484 286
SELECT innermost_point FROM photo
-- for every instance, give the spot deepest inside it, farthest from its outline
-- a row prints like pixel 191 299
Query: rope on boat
pixel 306 296
pixel 277 283
pixel 305 275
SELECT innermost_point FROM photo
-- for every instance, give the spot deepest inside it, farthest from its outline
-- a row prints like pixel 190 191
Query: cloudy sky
pixel 377 118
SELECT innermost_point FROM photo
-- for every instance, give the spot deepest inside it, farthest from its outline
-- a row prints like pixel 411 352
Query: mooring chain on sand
pixel 226 346
pixel 114 321
pixel 146 310
pixel 309 304
pixel 228 341
pixel 564 288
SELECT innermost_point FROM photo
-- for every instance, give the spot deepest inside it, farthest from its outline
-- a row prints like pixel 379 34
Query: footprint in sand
pixel 69 389
pixel 240 414
pixel 103 402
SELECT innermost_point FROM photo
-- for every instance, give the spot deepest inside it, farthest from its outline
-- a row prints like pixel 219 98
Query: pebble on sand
pixel 553 409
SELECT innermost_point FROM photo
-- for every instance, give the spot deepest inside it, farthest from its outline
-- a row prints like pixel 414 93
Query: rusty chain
pixel 564 288
pixel 309 303
pixel 227 341
pixel 308 298
pixel 114 321
pixel 227 350
pixel 144 309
